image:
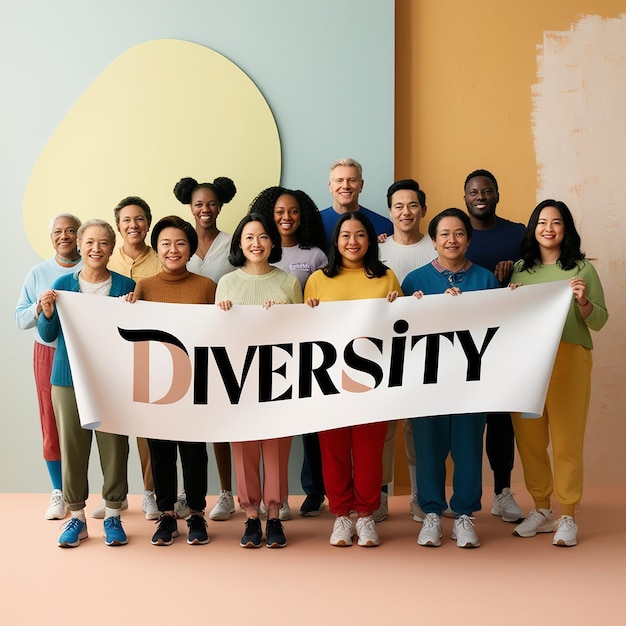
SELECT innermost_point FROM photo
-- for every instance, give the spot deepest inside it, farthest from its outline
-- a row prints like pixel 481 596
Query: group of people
pixel 286 251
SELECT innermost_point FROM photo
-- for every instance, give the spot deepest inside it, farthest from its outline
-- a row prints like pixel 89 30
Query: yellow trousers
pixel 563 426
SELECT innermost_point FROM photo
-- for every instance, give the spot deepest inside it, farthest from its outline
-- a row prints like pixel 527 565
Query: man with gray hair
pixel 65 260
pixel 345 184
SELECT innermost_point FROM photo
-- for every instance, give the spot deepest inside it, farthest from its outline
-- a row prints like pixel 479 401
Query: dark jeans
pixel 311 475
pixel 194 460
pixel 500 447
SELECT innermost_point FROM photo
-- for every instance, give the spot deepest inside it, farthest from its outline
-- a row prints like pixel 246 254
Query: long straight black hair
pixel 571 253
pixel 372 266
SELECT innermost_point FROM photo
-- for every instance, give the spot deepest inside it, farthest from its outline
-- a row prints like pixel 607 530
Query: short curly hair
pixel 95 222
pixel 310 233
pixel 482 174
pixel 132 201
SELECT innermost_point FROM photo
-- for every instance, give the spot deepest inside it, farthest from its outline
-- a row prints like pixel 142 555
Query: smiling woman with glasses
pixel 460 435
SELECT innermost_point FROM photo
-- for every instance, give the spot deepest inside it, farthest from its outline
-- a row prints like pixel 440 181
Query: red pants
pixel 42 366
pixel 352 463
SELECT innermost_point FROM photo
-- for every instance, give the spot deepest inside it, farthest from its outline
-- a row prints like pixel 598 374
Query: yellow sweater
pixel 350 284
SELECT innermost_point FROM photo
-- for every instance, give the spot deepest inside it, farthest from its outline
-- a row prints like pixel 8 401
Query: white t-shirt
pixel 404 259
pixel 215 263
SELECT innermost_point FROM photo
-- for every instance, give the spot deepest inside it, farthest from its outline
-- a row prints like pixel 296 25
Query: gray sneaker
pixel 99 512
pixel 430 535
pixel 382 512
pixel 538 521
pixel 464 533
pixel 566 531
pixel 181 508
pixel 149 506
pixel 224 507
pixel 415 510
pixel 504 506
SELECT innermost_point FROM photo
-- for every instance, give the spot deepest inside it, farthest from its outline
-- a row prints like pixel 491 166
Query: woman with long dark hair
pixel 352 457
pixel 551 251
pixel 301 232
pixel 255 246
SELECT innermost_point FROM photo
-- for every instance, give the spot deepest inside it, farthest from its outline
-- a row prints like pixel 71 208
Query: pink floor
pixel 507 581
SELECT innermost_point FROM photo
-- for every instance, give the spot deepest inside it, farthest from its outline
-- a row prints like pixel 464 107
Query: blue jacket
pixel 50 329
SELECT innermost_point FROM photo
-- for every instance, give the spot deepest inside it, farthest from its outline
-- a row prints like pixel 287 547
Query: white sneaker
pixel 224 507
pixel 149 506
pixel 464 533
pixel 430 535
pixel 415 510
pixel 382 512
pixel 99 512
pixel 57 508
pixel 342 532
pixel 366 532
pixel 538 521
pixel 181 508
pixel 285 511
pixel 504 506
pixel 566 531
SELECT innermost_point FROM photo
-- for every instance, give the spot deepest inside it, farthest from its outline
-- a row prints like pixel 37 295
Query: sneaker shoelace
pixel 72 524
pixel 163 521
pixel 56 499
pixel 196 522
pixel 565 523
pixel 223 499
pixel 346 523
pixel 536 517
pixel 274 526
pixel 431 520
pixel 466 522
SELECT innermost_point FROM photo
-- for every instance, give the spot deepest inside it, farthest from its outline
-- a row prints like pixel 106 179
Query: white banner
pixel 197 373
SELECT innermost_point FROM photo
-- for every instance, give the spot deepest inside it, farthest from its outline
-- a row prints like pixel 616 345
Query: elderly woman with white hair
pixel 96 240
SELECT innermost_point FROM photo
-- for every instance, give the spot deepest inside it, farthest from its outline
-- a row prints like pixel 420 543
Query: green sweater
pixel 242 288
pixel 576 328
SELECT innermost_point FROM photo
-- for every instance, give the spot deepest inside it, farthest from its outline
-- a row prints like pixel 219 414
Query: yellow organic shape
pixel 163 110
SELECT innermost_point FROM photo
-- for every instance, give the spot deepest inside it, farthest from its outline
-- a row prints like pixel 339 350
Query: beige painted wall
pixel 466 74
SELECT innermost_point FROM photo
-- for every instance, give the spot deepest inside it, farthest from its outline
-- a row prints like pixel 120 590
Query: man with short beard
pixel 496 246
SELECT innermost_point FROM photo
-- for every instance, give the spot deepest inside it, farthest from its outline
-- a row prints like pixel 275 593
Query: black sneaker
pixel 252 535
pixel 312 505
pixel 167 530
pixel 274 535
pixel 197 530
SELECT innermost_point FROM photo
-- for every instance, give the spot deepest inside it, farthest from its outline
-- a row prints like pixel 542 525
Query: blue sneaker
pixel 74 531
pixel 114 534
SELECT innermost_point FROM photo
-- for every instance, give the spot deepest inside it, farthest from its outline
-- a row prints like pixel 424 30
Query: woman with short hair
pixel 96 240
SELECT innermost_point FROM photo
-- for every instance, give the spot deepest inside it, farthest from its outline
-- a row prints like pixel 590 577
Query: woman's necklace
pixel 69 262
